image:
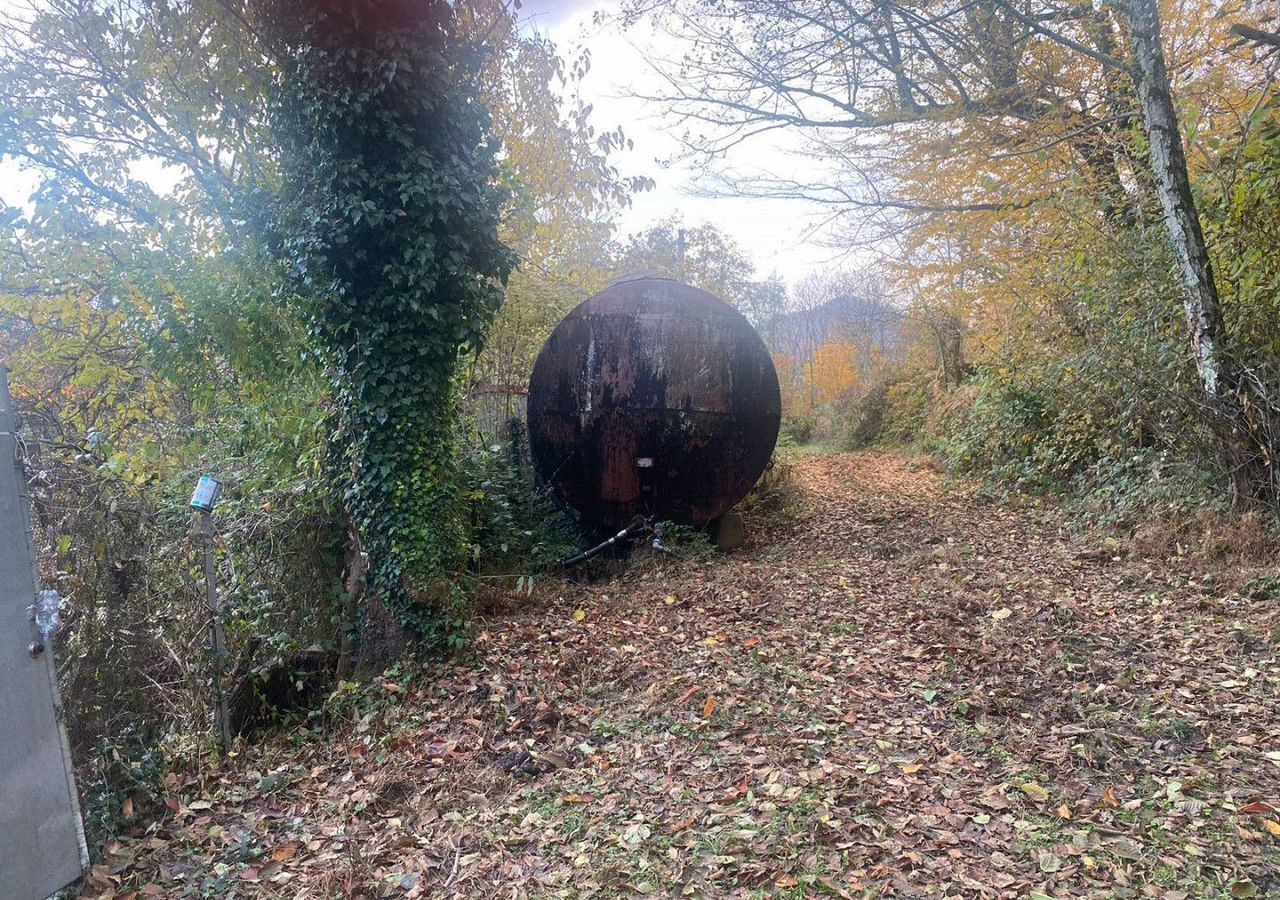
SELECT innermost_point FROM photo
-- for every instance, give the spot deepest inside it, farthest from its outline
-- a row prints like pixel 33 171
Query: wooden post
pixel 217 636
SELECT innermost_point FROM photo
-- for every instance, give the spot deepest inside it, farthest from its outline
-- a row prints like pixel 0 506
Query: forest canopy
pixel 1021 170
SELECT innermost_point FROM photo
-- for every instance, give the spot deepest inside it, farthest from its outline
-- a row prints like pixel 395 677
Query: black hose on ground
pixel 639 524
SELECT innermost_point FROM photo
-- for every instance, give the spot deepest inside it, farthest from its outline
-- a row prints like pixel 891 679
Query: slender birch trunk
pixel 1173 185
pixel 1244 415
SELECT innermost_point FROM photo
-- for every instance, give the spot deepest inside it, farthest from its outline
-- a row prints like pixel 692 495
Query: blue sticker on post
pixel 207 493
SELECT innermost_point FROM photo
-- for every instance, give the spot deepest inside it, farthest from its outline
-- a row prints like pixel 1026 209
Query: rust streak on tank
pixel 653 398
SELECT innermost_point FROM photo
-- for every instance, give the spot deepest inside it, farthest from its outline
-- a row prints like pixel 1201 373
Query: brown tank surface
pixel 653 398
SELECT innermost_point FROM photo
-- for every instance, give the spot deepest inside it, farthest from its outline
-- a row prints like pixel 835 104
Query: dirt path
pixel 906 692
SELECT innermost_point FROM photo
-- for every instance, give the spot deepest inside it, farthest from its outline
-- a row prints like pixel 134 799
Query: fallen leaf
pixel 689 693
pixel 709 707
pixel 634 835
pixel 834 888
pixel 1049 863
pixel 740 789
pixel 685 824
pixel 1125 848
pixel 1034 791
pixel 1243 887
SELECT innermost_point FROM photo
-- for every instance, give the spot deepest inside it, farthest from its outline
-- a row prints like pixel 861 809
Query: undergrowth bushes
pixel 1112 424
pixel 1098 429
pixel 115 537
pixel 118 543
pixel 516 529
pixel 777 497
pixel 894 409
pixel 799 428
pixel 1096 401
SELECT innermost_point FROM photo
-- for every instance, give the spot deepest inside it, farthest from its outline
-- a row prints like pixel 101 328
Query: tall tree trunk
pixel 944 356
pixel 356 569
pixel 948 333
pixel 1243 414
pixel 383 639
pixel 1173 185
pixel 955 347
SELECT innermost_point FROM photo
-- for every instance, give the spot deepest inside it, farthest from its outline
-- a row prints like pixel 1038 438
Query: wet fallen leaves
pixel 908 692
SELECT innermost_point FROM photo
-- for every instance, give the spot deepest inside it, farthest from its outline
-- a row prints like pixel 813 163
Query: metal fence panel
pixel 41 843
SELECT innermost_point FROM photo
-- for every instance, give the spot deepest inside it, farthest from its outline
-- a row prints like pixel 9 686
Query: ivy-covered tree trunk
pixel 1241 413
pixel 389 229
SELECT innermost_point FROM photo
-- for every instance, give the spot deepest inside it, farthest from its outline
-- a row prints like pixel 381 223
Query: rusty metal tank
pixel 653 398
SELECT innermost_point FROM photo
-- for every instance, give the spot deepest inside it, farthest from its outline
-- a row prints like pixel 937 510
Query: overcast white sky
pixel 774 233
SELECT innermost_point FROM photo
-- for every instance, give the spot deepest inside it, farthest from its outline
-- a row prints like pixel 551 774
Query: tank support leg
pixel 729 532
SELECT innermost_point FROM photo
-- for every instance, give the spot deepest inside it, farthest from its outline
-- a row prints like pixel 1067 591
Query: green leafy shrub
pixel 516 530
pixel 685 542
pixel 1126 490
pixel 1105 425
pixel 907 400
pixel 799 428
pixel 893 410
pixel 121 778
pixel 777 497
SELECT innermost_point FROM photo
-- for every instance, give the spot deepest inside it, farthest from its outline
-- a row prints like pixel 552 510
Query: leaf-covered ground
pixel 905 692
